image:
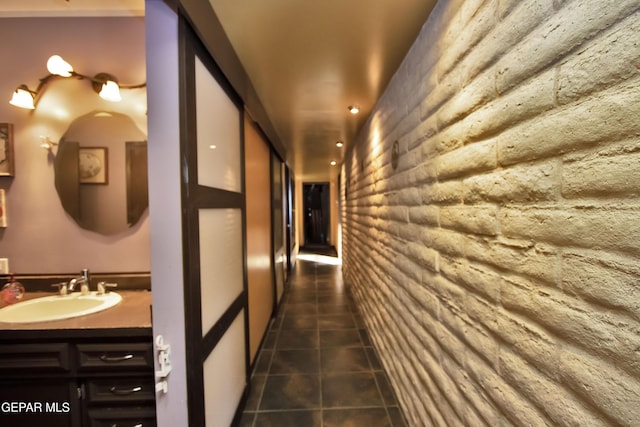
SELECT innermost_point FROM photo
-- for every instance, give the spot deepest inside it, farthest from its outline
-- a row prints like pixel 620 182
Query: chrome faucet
pixel 82 280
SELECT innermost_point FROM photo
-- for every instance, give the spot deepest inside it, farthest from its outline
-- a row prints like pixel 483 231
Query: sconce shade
pixel 58 66
pixel 47 143
pixel 23 98
pixel 110 91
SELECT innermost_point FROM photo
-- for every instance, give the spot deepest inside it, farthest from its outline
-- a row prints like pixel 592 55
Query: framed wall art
pixel 6 150
pixel 3 211
pixel 93 165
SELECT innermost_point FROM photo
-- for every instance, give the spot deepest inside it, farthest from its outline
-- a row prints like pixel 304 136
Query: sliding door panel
pixel 213 203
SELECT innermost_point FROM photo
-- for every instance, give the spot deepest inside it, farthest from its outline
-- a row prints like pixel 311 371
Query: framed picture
pixel 6 149
pixel 93 165
pixel 3 211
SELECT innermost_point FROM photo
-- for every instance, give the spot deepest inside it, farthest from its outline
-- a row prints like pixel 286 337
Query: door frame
pixel 326 185
pixel 170 181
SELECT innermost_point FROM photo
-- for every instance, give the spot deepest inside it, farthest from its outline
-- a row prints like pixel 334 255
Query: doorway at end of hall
pixel 316 214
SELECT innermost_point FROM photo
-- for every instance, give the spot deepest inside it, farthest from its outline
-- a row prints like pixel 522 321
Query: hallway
pixel 317 367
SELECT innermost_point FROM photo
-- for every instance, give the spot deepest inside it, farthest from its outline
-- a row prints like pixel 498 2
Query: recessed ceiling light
pixel 339 144
pixel 354 109
pixel 213 147
pixel 333 163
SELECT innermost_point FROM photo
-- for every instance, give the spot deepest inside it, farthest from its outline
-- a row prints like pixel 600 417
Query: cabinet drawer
pixel 123 417
pixel 121 390
pixel 108 357
pixel 52 357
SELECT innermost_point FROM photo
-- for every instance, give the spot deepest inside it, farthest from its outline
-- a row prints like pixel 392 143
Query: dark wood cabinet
pixel 43 402
pixel 76 382
pixel 118 388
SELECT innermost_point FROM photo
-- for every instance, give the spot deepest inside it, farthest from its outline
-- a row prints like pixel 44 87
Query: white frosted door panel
pixel 218 133
pixel 221 268
pixel 225 376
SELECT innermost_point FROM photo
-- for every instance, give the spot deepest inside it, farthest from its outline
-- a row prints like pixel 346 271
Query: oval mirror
pixel 101 172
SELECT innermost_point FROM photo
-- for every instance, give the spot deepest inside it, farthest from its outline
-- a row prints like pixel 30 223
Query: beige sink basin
pixel 58 307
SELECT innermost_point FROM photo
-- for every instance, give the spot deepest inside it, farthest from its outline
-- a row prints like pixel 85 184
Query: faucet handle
pixel 62 287
pixel 104 286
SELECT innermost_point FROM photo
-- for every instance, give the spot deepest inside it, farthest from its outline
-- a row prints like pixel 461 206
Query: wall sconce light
pixel 47 143
pixel 106 85
pixel 395 154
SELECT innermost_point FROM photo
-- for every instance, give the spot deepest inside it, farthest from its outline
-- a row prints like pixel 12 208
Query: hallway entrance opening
pixel 316 214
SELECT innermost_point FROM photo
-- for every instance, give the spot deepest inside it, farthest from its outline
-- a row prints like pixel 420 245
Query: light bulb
pixel 110 91
pixel 23 98
pixel 58 66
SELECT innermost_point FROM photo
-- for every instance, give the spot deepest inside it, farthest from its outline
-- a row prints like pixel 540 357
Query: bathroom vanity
pixel 94 370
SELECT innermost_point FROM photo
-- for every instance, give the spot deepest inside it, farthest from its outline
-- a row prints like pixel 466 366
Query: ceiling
pixel 307 60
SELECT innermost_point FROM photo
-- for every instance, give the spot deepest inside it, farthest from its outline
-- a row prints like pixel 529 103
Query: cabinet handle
pixel 137 425
pixel 125 392
pixel 116 359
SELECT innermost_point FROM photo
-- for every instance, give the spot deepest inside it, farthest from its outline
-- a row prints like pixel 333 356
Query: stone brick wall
pixel 498 265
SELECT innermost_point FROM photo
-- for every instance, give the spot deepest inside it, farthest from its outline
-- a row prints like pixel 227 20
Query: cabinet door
pixel 51 403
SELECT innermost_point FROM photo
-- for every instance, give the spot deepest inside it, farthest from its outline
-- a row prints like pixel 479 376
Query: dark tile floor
pixel 317 367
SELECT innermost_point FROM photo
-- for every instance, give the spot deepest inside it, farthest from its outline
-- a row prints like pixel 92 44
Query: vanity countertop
pixel 132 314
